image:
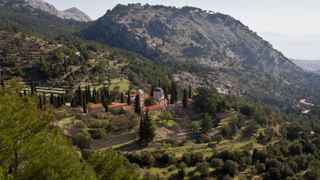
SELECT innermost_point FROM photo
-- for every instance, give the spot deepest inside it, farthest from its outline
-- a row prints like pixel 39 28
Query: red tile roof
pixel 95 106
pixel 117 105
pixel 127 107
pixel 154 107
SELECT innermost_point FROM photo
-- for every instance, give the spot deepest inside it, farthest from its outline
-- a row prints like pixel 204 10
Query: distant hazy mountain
pixel 206 48
pixel 75 14
pixel 40 17
pixel 295 46
pixel 72 13
pixel 308 65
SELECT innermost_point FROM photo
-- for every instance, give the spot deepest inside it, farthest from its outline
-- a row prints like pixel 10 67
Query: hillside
pixel 205 48
pixel 68 61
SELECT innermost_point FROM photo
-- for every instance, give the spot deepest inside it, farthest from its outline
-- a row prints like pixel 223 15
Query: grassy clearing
pixel 120 83
pixel 65 121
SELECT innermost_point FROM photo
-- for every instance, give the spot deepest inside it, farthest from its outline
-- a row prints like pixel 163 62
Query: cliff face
pixel 204 48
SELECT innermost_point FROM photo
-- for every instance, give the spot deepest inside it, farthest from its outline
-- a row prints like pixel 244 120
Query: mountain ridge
pixel 231 56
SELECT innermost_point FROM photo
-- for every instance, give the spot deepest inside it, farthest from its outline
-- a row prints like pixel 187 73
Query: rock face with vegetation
pixel 212 48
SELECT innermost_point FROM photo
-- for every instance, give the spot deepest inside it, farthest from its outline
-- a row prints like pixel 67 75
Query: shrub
pixel 81 139
pixel 181 173
pixel 192 159
pixel 203 168
pixel 217 163
pixel 98 124
pixel 231 167
pixel 79 124
pixel 261 167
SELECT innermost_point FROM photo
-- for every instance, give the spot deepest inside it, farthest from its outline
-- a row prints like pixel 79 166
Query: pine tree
pixel 190 92
pixel 185 98
pixel 137 106
pixel 128 98
pixel 121 97
pixel 146 133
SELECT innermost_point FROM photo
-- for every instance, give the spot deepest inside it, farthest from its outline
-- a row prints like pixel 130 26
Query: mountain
pixel 205 48
pixel 72 13
pixel 308 65
pixel 38 17
pixel 75 14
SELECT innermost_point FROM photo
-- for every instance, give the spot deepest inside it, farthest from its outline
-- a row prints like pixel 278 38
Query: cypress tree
pixel 121 97
pixel 104 103
pixel 24 92
pixel 128 98
pixel 113 95
pixel 40 102
pixel 146 133
pixel 142 130
pixel 78 96
pixel 151 91
pixel 173 93
pixel 2 83
pixel 51 99
pixel 44 98
pixel 84 103
pixel 73 102
pixel 206 124
pixel 88 97
pixel 137 106
pixel 185 98
pixel 190 92
pixel 94 96
pixel 33 89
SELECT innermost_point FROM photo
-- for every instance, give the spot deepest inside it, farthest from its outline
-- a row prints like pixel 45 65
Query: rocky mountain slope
pixel 206 48
pixel 72 13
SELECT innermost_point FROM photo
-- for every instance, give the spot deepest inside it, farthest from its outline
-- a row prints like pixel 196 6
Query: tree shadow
pixel 132 146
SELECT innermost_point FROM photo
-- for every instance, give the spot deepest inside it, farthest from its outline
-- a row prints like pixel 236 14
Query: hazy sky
pixel 271 19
